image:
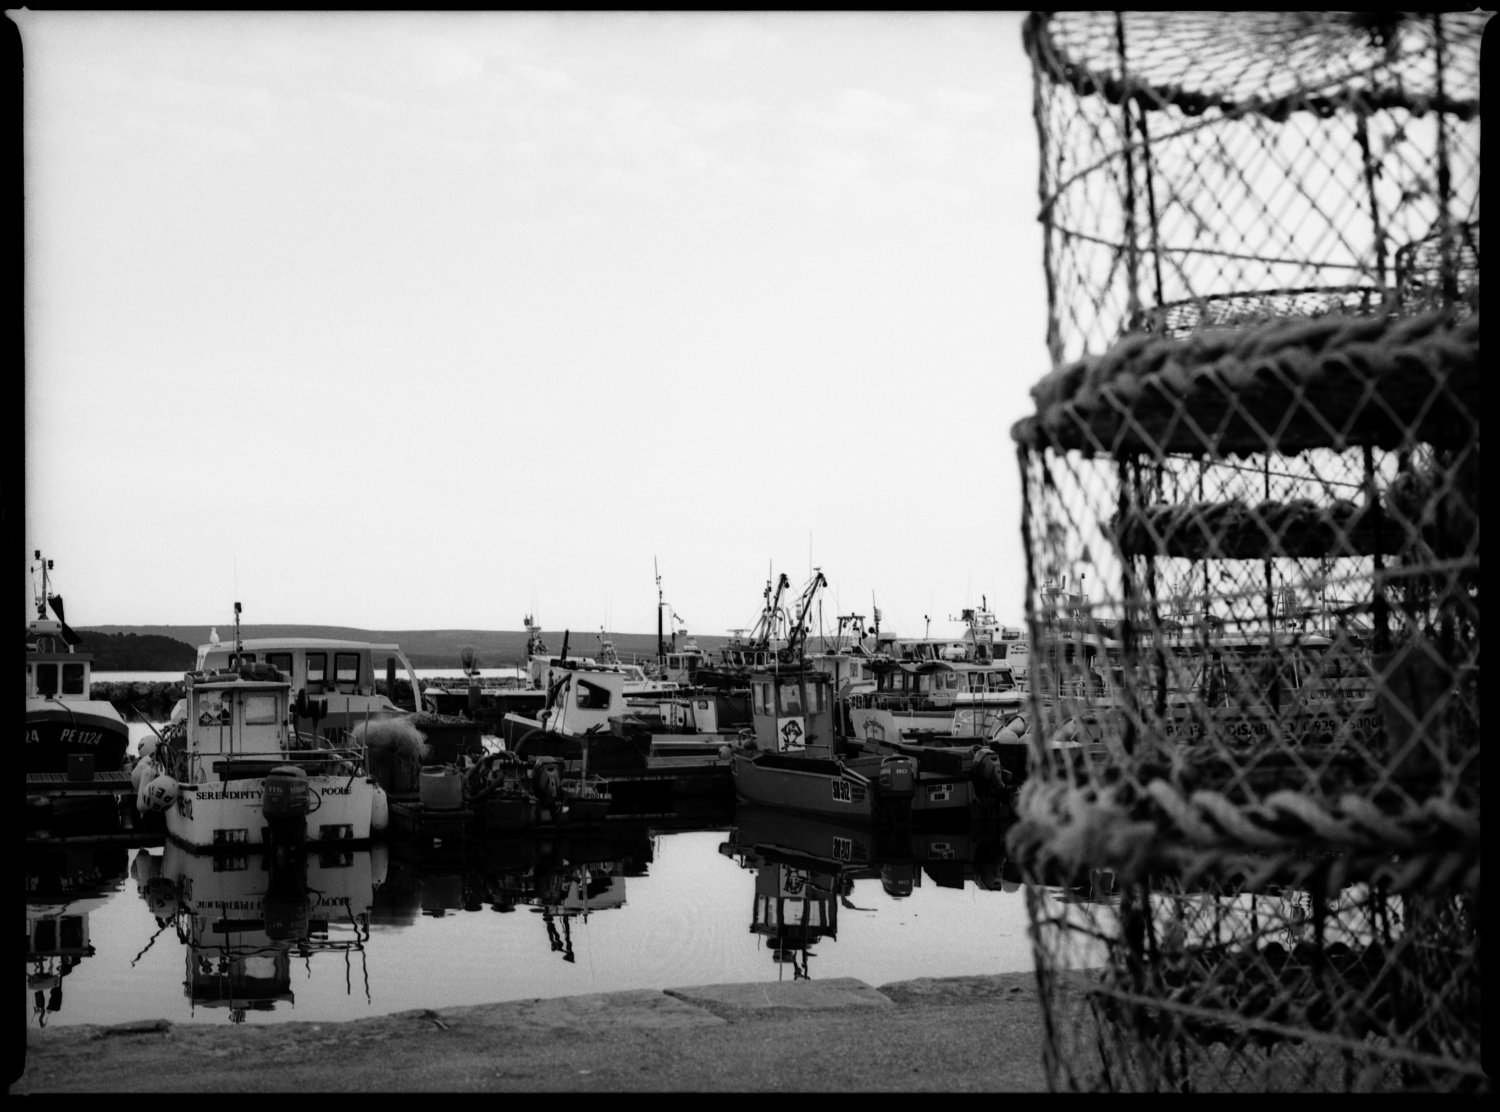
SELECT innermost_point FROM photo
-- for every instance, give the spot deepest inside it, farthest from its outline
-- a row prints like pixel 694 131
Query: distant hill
pixel 425 648
pixel 136 652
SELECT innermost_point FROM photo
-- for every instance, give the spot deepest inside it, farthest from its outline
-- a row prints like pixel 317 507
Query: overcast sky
pixel 408 321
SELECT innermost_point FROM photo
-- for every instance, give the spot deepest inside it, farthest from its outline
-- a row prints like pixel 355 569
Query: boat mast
pixel 661 652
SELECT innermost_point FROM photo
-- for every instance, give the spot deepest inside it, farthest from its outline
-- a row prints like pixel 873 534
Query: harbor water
pixel 140 933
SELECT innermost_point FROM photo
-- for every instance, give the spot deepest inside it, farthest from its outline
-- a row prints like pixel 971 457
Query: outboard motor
pixel 286 802
pixel 546 781
pixel 898 776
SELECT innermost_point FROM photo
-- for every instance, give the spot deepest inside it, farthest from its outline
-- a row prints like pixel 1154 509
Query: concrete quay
pixel 965 1034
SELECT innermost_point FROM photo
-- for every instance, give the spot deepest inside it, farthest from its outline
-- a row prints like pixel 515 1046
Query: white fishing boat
pixel 795 761
pixel 237 775
pixel 933 696
pixel 336 683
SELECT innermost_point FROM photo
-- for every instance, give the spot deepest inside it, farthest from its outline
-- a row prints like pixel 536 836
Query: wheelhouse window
pixel 260 710
pixel 282 662
pixel 761 694
pixel 346 667
pixel 46 679
pixel 795 700
pixel 72 679
pixel 590 696
pixel 317 668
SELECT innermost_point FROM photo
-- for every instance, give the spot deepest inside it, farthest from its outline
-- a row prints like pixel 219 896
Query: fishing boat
pixel 510 793
pixel 236 775
pixel 66 729
pixel 960 781
pixel 935 696
pixel 585 711
pixel 1239 687
pixel 337 684
pixel 793 758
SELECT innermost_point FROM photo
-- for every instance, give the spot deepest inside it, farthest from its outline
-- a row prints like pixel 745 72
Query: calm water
pixel 145 933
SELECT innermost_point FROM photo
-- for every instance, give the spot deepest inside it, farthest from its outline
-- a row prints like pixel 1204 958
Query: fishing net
pixel 1252 539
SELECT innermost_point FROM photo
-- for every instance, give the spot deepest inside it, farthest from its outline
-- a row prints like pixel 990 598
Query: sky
pixel 436 320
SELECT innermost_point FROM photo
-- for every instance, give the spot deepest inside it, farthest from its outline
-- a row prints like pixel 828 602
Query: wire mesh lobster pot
pixel 1251 815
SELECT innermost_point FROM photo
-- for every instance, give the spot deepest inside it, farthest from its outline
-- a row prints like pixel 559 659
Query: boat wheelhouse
pixel 585 716
pixel 65 726
pixel 337 684
pixel 1310 688
pixel 935 696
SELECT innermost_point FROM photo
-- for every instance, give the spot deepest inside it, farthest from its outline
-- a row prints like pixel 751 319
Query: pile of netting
pixel 1252 814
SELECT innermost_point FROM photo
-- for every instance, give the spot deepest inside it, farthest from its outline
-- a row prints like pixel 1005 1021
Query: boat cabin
pixel 319 666
pixel 53 669
pixel 336 683
pixel 583 697
pixel 1087 667
pixel 680 665
pixel 792 711
pixel 1251 671
pixel 941 683
pixel 230 717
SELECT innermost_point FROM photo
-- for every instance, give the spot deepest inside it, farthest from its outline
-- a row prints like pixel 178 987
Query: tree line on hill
pixel 174 648
pixel 129 652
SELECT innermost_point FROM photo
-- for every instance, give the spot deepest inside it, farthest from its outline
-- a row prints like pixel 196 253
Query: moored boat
pixel 66 730
pixel 795 762
pixel 957 698
pixel 337 683
pixel 236 775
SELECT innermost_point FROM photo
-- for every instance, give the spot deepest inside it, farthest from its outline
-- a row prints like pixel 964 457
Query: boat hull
pixel 815 786
pixel 228 815
pixel 606 752
pixel 57 729
pixel 968 721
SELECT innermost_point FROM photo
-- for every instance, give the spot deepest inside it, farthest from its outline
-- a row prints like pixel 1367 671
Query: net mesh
pixel 1251 527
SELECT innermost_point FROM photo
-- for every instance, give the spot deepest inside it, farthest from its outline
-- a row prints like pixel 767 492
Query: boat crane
pixel 796 640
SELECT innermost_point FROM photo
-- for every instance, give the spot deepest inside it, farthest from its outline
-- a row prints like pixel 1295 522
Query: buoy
pixel 158 794
pixel 380 858
pixel 162 898
pixel 380 811
pixel 143 772
pixel 144 868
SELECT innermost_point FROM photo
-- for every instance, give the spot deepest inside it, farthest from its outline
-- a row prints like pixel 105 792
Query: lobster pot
pixel 1221 169
pixel 1251 813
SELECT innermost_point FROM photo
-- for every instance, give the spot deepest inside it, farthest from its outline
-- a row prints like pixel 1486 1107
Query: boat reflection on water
pixel 805 868
pixel 560 879
pixel 243 919
pixel 63 886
